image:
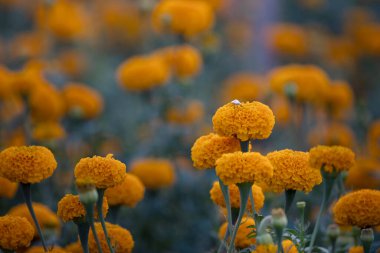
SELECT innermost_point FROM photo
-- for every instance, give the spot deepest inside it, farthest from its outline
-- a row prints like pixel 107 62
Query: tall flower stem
pixel 28 200
pixel 289 197
pixel 226 196
pixel 329 179
pixel 90 220
pixel 99 206
pixel 83 229
pixel 254 214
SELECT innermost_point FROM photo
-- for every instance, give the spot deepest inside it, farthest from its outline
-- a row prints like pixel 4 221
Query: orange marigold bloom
pixel 187 113
pixel 128 193
pixel 154 173
pixel 82 101
pixel 340 98
pixel 74 247
pixel 121 239
pixel 40 249
pixel 373 139
pixel 333 158
pixel 364 175
pixel 16 233
pixel 48 130
pixel 250 120
pixel 242 239
pixel 71 209
pixel 217 196
pixel 11 107
pixel 71 62
pixel 209 148
pixel 29 45
pixel 287 245
pixel 291 171
pixel 359 208
pixel 239 167
pixel 333 134
pixel 243 86
pixel 7 188
pixel 356 249
pixel 27 164
pixel 281 109
pixel 105 172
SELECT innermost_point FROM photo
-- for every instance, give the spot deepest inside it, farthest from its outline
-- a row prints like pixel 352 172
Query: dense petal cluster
pixel 287 245
pixel 16 233
pixel 128 193
pixel 105 172
pixel 359 208
pixel 8 188
pixel 217 196
pixel 209 148
pixel 291 171
pixel 242 167
pixel 27 164
pixel 40 249
pixel 74 247
pixel 250 120
pixel 331 158
pixel 121 239
pixel 244 236
pixel 243 86
pixel 364 174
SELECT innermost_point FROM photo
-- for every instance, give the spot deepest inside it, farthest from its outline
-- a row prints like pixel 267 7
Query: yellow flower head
pixel 105 172
pixel 71 209
pixel 46 218
pixel 364 174
pixel 359 208
pixel 121 239
pixel 217 196
pixel 128 193
pixel 187 18
pixel 243 86
pixel 142 73
pixel 281 108
pixel 291 171
pixel 74 247
pixel 250 120
pixel 239 167
pixel 340 98
pixel 27 164
pixel 373 139
pixel 186 113
pixel 40 249
pixel 154 173
pixel 48 130
pixel 16 233
pixel 8 189
pixel 209 148
pixel 356 249
pixel 287 245
pixel 82 101
pixel 331 158
pixel 333 134
pixel 245 230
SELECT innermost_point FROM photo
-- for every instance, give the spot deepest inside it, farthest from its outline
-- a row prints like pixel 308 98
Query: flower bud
pixel 279 220
pixel 87 192
pixel 301 204
pixel 367 236
pixel 264 238
pixel 333 231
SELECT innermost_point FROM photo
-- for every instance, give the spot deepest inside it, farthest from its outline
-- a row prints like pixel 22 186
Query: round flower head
pixel 48 130
pixel 40 249
pixel 356 249
pixel 287 245
pixel 46 218
pixel 74 247
pixel 242 167
pixel 154 173
pixel 373 139
pixel 250 120
pixel 340 98
pixel 186 113
pixel 359 208
pixel 209 148
pixel 243 86
pixel 291 171
pixel 244 236
pixel 27 164
pixel 217 196
pixel 105 172
pixel 71 209
pixel 16 233
pixel 333 134
pixel 364 174
pixel 121 239
pixel 128 193
pixel 331 159
pixel 7 188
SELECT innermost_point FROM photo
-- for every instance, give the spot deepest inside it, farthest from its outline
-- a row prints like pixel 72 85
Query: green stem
pixel 28 200
pixel 224 242
pixel 90 219
pixel 289 197
pixel 279 240
pixel 83 229
pixel 226 195
pixel 244 146
pixel 99 206
pixel 254 214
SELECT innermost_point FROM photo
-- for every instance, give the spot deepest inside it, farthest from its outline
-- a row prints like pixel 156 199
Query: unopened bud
pixel 264 239
pixel 87 191
pixel 279 220
pixel 367 235
pixel 333 231
pixel 301 204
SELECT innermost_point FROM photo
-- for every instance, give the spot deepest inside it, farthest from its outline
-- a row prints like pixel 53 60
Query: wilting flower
pixel 373 139
pixel 27 164
pixel 154 173
pixel 40 249
pixel 331 159
pixel 8 189
pixel 217 196
pixel 333 134
pixel 244 237
pixel 250 120
pixel 16 233
pixel 121 239
pixel 209 148
pixel 47 131
pixel 359 208
pixel 128 193
pixel 239 167
pixel 364 175
pixel 187 113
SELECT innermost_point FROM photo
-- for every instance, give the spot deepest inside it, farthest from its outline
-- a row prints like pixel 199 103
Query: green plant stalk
pixel 302 221
pixel 226 197
pixel 254 214
pixel 90 220
pixel 367 247
pixel 99 206
pixel 289 197
pixel 83 229
pixel 26 190
pixel 279 240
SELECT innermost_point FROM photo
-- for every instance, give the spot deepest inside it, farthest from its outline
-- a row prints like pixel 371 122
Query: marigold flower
pixel 40 249
pixel 189 113
pixel 340 98
pixel 243 86
pixel 209 148
pixel 359 208
pixel 82 101
pixel 291 171
pixel 8 189
pixel 333 158
pixel 186 18
pixel 333 134
pixel 364 175
pixel 16 233
pixel 154 173
pixel 242 167
pixel 250 120
pixel 128 193
pixel 217 196
pixel 11 107
pixel 6 89
pixel 71 209
pixel 105 172
pixel 244 236
pixel 27 164
pixel 356 249
pixel 29 45
pixel 121 239
pixel 71 62
pixel 239 36
pixel 29 78
pixel 373 139
pixel 48 130
pixel 287 245
pixel 74 247
pixel 280 106
pixel 46 218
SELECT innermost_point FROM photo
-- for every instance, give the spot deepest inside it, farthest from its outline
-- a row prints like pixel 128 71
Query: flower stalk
pixel 289 198
pixel 99 206
pixel 83 229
